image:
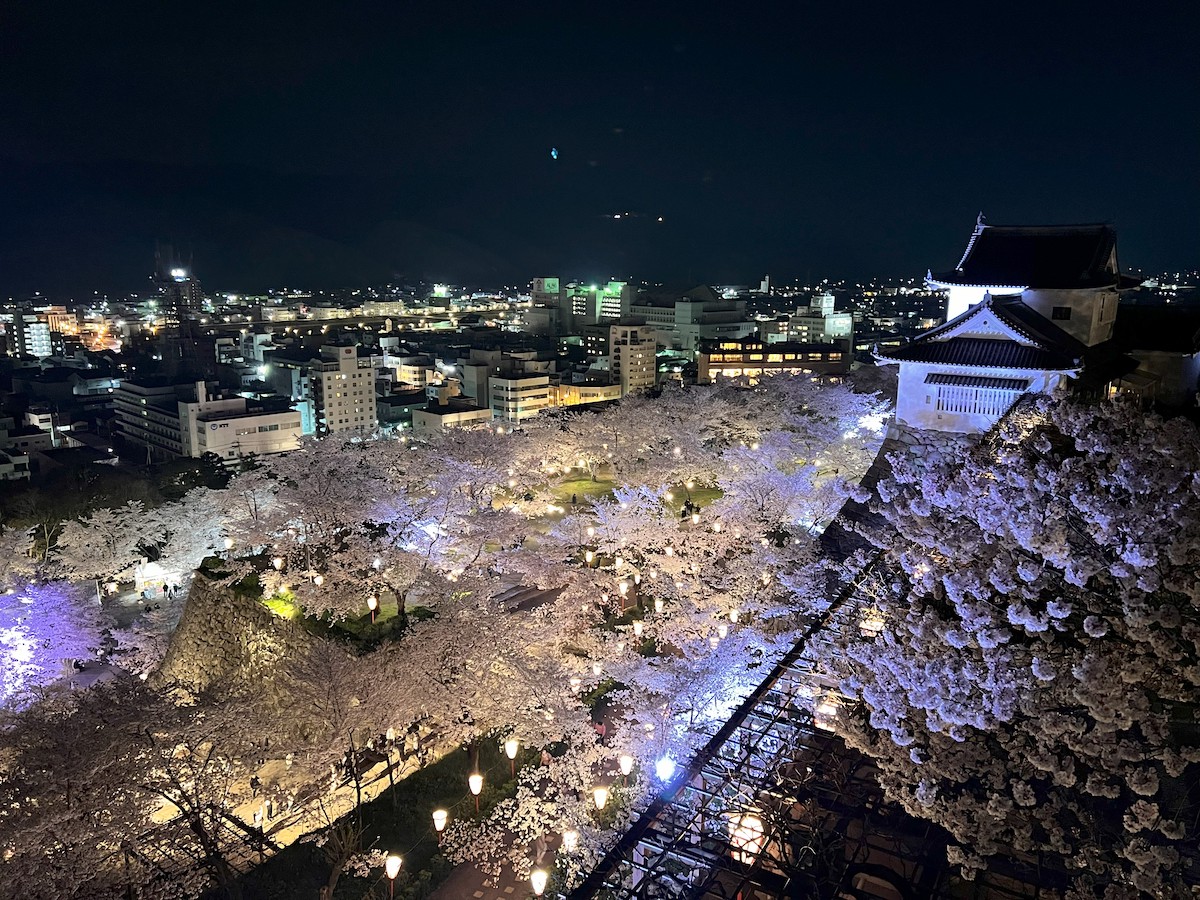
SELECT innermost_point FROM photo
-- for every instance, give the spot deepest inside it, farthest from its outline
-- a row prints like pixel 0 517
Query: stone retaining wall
pixel 227 637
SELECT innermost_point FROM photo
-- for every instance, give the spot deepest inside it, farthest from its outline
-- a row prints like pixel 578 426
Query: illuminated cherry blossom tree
pixel 1035 682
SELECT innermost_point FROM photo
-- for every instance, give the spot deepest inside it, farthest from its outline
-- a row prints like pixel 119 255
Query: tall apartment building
pixel 179 292
pixel 343 393
pixel 632 348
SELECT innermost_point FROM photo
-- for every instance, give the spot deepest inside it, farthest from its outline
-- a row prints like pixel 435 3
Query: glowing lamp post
pixel 600 796
pixel 318 580
pixel 658 604
pixel 722 631
pixel 871 624
pixel 625 762
pixel 695 518
pixel 372 605
pixel 825 713
pixel 537 880
pixel 588 557
pixel 277 562
pixel 638 628
pixel 570 840
pixel 733 616
pixel 439 822
pixel 475 783
pixel 748 835
pixel 597 667
pixel 576 684
pixel 510 750
pixel 391 868
pixel 228 543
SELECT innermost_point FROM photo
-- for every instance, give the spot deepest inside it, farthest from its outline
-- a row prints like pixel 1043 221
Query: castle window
pixel 1060 313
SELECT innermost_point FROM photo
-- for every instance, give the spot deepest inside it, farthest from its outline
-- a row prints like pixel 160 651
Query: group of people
pixel 275 801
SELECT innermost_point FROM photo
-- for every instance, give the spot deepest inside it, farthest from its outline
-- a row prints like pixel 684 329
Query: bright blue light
pixel 664 768
pixel 554 153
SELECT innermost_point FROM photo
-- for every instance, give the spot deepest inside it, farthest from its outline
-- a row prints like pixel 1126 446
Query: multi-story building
pixel 582 393
pixel 517 397
pixel 820 323
pixel 179 419
pixel 683 321
pixel 343 392
pixel 632 348
pixel 179 293
pixel 13 465
pixel 231 434
pixel 446 408
pixel 753 358
pixel 32 335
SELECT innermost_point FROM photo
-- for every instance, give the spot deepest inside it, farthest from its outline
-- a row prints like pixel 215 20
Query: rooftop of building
pixel 668 296
pixel 1037 256
pixel 245 413
pixel 454 406
pixel 755 343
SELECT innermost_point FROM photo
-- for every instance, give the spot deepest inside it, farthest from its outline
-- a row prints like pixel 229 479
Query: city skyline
pixel 489 145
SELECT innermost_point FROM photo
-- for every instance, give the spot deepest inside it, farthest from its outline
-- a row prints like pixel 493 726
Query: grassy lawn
pixel 583 488
pixel 701 496
pixel 397 821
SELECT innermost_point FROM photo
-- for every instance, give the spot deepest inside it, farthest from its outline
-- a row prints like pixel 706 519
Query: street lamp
pixel 600 796
pixel 228 543
pixel 658 604
pixel 576 684
pixel 510 750
pixel 733 616
pixel 722 631
pixel 391 867
pixel 475 783
pixel 537 880
pixel 570 840
pixel 277 562
pixel 318 580
pixel 638 628
pixel 597 667
pixel 625 762
pixel 439 822
pixel 372 605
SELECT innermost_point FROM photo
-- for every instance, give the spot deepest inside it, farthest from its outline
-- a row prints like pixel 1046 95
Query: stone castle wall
pixel 229 638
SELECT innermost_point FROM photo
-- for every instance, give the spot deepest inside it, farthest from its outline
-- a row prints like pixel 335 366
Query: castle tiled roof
pixel 984 353
pixel 1049 347
pixel 1041 256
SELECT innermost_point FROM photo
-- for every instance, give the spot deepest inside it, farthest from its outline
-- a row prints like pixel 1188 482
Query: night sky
pixel 340 144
